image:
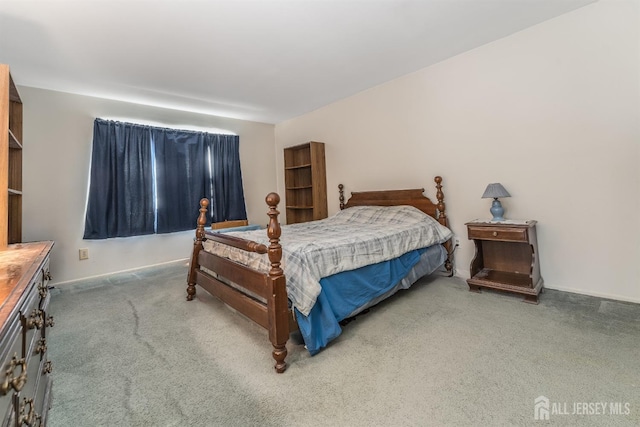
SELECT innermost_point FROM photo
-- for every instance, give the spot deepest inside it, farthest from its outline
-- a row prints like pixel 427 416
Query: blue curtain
pixel 227 201
pixel 182 177
pixel 120 200
pixel 150 180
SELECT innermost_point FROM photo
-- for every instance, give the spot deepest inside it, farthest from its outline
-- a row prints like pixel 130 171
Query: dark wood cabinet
pixel 10 160
pixel 305 182
pixel 506 258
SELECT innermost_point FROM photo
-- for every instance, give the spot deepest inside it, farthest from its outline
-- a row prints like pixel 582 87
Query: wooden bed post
pixel 277 303
pixel 197 246
pixel 442 219
pixel 442 215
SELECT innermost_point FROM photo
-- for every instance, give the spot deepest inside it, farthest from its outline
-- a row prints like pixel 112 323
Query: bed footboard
pixel 265 300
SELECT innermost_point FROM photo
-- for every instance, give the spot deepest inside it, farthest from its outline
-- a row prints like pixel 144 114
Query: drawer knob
pixel 43 289
pixel 35 319
pixel 12 382
pixel 41 348
pixel 495 234
pixel 30 418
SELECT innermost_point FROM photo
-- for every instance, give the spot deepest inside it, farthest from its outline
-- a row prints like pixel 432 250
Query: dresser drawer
pixel 24 381
pixel 10 368
pixel 33 322
pixel 28 397
pixel 43 394
pixel 42 284
pixel 498 233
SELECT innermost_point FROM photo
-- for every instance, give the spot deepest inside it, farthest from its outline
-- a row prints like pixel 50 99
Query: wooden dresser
pixel 25 382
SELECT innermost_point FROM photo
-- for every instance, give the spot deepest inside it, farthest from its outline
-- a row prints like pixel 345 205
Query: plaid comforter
pixel 350 239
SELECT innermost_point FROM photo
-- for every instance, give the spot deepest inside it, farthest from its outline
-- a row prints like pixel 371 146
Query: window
pixel 147 180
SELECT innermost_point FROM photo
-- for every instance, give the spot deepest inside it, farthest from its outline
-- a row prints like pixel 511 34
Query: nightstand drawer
pixel 498 233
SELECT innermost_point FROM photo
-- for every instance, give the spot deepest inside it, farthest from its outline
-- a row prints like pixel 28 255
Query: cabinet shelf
pixel 13 141
pixel 297 167
pixel 301 187
pixel 502 277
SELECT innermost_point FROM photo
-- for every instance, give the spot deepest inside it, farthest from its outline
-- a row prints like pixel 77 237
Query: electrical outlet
pixel 83 253
pixel 457 241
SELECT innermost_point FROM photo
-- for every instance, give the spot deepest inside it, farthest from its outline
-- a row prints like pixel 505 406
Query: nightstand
pixel 506 258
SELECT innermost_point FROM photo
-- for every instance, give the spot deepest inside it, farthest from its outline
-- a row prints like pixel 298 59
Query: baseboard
pixel 465 274
pixel 595 294
pixel 184 260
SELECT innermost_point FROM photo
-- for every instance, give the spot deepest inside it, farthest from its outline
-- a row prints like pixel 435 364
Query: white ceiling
pixel 266 60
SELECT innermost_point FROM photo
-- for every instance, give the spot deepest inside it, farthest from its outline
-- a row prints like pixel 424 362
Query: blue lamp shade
pixel 495 191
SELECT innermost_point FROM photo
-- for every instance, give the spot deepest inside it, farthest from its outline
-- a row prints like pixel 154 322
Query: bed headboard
pixel 412 197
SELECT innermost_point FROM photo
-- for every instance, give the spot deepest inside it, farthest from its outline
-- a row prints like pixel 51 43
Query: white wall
pixel 58 131
pixel 551 112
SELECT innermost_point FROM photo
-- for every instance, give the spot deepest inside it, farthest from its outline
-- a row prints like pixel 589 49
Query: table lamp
pixel 494 191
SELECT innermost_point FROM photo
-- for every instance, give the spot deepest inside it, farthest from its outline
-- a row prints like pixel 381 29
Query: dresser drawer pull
pixel 41 348
pixel 47 276
pixel 30 419
pixel 495 234
pixel 50 323
pixel 48 367
pixel 43 289
pixel 11 382
pixel 35 319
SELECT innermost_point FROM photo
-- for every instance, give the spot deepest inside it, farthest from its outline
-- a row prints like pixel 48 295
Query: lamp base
pixel 497 211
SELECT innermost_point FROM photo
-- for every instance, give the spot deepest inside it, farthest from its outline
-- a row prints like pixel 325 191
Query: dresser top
pixel 19 264
pixel 519 222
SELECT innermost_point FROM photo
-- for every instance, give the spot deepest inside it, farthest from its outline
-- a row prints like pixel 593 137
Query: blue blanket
pixel 344 292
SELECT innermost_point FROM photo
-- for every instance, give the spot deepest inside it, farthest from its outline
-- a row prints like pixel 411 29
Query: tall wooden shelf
pixel 305 182
pixel 10 160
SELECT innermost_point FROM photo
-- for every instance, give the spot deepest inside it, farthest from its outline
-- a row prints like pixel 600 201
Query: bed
pixel 332 274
